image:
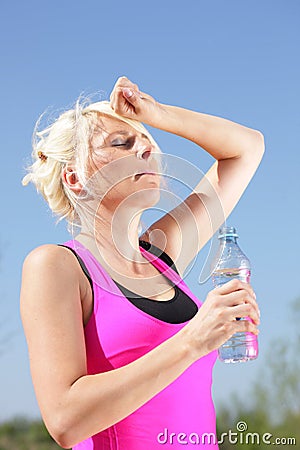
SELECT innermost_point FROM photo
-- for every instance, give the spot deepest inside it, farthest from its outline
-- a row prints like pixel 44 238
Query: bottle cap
pixel 227 232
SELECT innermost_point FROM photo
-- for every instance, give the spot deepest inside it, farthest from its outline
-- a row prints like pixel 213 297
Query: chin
pixel 145 198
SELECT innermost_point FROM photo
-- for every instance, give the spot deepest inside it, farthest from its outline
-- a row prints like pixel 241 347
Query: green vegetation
pixel 24 434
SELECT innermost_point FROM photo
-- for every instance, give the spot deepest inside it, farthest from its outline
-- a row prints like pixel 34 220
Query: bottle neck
pixel 228 234
pixel 228 239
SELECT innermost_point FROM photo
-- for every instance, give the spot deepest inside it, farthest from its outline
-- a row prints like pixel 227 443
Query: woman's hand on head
pixel 216 321
pixel 128 101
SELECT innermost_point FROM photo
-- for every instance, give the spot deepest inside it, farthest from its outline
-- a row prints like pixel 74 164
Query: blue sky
pixel 238 60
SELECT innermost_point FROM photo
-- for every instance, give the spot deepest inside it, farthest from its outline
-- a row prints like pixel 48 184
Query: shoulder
pixel 48 254
pixel 52 280
pixel 51 261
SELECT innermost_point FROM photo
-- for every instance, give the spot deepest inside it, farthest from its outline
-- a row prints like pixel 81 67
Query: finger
pixel 144 95
pixel 245 326
pixel 122 82
pixel 125 82
pixel 126 102
pixel 118 103
pixel 132 96
pixel 240 297
pixel 235 285
pixel 119 93
pixel 243 311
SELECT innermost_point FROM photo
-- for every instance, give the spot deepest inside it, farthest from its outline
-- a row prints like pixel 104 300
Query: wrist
pixel 170 119
pixel 193 348
pixel 158 116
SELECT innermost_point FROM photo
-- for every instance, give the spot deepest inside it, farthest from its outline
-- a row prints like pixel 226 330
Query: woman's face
pixel 124 163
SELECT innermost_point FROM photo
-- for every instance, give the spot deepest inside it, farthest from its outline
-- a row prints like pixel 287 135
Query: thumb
pixel 131 96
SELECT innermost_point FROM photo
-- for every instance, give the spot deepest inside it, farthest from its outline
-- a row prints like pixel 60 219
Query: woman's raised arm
pixel 238 151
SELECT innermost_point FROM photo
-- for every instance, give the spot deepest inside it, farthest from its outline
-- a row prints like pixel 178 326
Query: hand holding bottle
pixel 215 322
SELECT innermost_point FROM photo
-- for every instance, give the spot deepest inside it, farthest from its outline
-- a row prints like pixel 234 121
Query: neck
pixel 114 238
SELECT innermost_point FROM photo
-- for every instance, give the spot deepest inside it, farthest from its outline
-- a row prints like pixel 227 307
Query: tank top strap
pixel 97 273
pixel 170 273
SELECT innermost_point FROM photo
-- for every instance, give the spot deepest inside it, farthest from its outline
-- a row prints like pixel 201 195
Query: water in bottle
pixel 231 262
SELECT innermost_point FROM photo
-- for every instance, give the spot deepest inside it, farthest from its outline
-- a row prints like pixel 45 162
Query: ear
pixel 70 177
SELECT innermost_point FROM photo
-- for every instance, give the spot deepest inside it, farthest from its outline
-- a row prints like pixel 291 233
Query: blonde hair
pixel 67 140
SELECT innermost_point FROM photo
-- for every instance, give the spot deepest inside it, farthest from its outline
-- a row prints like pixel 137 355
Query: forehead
pixel 106 125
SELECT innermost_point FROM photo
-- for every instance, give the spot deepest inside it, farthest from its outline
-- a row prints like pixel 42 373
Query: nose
pixel 145 151
pixel 146 154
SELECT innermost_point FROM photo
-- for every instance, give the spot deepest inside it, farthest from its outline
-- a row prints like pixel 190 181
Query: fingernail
pixel 127 92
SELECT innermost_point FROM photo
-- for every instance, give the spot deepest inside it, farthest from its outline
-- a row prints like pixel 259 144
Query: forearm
pixel 95 402
pixel 221 138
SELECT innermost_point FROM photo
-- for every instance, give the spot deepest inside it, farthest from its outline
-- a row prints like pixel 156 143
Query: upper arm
pixel 183 231
pixel 51 312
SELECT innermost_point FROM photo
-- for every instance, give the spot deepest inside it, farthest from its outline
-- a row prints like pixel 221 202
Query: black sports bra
pixel 179 309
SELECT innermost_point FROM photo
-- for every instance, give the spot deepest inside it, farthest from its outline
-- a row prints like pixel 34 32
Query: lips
pixel 139 175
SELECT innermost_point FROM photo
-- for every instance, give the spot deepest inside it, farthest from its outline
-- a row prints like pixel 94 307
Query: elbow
pixel 63 444
pixel 69 430
pixel 254 148
pixel 259 142
pixel 61 437
pixel 62 432
pixel 63 440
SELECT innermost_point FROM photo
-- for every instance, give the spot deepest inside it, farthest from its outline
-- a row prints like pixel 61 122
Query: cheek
pixel 112 177
pixel 99 158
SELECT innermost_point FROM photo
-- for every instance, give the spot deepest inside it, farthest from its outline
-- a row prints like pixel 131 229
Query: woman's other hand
pixel 128 101
pixel 216 321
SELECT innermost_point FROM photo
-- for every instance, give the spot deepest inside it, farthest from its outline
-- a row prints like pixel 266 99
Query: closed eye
pixel 121 143
pixel 127 141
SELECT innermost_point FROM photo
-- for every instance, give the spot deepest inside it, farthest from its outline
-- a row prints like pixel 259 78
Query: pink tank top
pixel 117 333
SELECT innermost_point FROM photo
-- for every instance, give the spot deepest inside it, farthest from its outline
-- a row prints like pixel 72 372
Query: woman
pixel 121 351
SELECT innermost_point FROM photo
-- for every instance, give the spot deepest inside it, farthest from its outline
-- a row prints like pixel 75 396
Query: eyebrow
pixel 126 133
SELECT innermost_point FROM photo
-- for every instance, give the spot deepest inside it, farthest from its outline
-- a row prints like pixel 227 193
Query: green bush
pixel 21 433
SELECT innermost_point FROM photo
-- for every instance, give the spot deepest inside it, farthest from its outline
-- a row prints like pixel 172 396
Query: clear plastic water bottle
pixel 230 262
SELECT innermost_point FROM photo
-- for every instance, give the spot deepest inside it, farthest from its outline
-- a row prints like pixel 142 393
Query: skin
pixel 56 299
pixel 125 195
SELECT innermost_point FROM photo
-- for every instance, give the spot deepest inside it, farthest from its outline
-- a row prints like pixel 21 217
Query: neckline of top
pixel 154 261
